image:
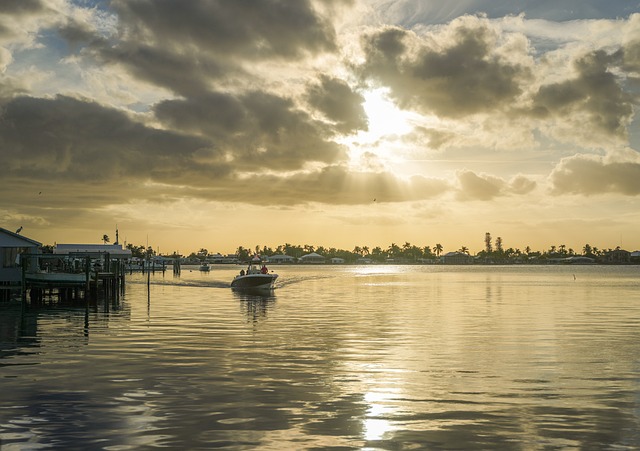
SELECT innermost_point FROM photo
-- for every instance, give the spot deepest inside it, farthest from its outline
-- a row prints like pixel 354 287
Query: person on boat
pixel 264 269
pixel 242 272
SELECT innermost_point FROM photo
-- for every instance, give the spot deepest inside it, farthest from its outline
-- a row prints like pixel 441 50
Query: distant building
pixel 337 261
pixel 312 258
pixel 617 256
pixel 578 260
pixel 456 258
pixel 115 251
pixel 281 259
pixel 218 258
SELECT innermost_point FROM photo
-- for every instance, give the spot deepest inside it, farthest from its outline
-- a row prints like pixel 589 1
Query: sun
pixel 382 142
pixel 385 118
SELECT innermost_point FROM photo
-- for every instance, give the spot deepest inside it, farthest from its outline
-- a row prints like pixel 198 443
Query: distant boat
pixel 254 277
pixel 205 267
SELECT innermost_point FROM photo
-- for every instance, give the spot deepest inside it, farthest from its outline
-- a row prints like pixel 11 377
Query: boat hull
pixel 254 281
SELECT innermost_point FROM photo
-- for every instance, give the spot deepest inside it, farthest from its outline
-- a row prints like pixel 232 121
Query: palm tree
pixel 464 250
pixel 105 238
pixel 394 250
pixel 438 247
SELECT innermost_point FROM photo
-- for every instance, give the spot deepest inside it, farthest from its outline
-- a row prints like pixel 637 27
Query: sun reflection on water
pixel 376 423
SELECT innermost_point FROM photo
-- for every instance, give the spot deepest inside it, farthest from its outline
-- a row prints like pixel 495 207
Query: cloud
pixel 254 30
pixel 521 185
pixel 335 185
pixel 459 70
pixel 592 175
pixel 65 139
pixel 190 46
pixel 487 187
pixel 593 101
pixel 339 103
pixel 62 145
pixel 255 129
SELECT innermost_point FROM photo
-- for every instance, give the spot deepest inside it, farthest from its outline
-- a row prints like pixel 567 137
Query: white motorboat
pixel 205 267
pixel 255 277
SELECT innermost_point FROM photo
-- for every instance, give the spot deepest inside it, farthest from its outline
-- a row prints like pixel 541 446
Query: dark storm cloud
pixel 339 103
pixel 595 90
pixel 69 139
pixel 256 129
pixel 458 77
pixel 587 175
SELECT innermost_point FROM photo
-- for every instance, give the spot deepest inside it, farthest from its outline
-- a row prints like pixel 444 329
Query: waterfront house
pixel 312 258
pixel 12 245
pixel 337 261
pixel 617 256
pixel 281 259
pixel 456 258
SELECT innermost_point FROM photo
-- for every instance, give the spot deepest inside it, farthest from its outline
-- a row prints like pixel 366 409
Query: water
pixel 338 357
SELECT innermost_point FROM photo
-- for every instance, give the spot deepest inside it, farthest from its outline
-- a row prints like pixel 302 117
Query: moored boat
pixel 204 267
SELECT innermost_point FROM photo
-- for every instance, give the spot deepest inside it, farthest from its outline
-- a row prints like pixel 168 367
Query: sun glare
pixel 387 123
pixel 384 117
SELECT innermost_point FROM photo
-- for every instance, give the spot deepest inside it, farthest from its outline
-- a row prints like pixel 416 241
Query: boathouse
pixel 12 246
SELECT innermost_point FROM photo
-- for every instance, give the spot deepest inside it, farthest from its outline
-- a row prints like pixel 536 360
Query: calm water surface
pixel 345 357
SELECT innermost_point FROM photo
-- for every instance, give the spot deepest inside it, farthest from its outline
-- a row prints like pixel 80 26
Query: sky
pixel 216 123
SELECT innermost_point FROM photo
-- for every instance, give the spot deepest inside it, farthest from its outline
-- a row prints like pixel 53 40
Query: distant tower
pixel 117 235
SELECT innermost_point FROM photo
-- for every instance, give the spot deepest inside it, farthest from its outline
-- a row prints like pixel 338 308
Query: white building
pixel 115 251
pixel 281 259
pixel 312 258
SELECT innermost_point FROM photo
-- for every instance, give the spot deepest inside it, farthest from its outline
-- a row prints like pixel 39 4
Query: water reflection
pixel 419 358
pixel 255 304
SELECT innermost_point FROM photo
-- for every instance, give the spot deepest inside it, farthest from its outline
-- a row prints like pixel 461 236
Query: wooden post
pixel 23 287
pixel 87 275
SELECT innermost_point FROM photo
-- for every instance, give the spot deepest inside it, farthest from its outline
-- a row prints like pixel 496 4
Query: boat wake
pixel 187 283
pixel 296 280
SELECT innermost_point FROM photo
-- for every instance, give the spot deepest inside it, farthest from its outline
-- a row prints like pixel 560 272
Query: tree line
pixel 494 251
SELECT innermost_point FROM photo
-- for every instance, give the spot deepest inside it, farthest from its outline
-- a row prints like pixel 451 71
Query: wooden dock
pixel 71 277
